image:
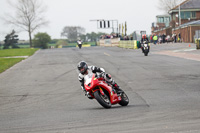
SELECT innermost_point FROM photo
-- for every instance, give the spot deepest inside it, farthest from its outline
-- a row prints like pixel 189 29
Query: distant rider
pixel 144 39
pixel 79 42
pixel 86 71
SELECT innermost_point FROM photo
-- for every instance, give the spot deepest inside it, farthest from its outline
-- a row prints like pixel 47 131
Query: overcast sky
pixel 139 14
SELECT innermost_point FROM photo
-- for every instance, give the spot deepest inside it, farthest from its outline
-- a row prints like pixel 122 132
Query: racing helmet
pixel 144 36
pixel 82 67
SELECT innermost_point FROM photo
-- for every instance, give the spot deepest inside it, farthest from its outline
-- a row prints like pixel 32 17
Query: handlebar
pixel 101 75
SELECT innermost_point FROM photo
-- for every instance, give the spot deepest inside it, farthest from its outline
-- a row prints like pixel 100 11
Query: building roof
pixel 163 15
pixel 191 23
pixel 188 4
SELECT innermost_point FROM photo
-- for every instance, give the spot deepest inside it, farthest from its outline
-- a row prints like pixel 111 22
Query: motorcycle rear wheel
pixel 102 99
pixel 125 100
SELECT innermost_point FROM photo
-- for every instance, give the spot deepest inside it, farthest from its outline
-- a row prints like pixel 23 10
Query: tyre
pixel 145 53
pixel 125 100
pixel 102 99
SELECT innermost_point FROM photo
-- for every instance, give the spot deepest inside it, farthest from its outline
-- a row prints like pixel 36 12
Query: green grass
pixel 6 63
pixel 69 44
pixel 17 52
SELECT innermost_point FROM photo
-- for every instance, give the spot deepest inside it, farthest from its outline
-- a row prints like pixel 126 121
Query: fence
pixel 109 42
pixel 132 44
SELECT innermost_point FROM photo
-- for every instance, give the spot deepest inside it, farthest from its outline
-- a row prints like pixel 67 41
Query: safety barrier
pixel 85 45
pixel 109 42
pixel 131 44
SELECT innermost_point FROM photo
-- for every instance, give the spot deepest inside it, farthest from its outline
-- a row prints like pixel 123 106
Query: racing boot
pixel 86 92
pixel 117 89
pixel 88 95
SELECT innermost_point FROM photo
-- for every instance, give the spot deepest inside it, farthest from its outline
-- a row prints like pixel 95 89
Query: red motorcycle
pixel 100 90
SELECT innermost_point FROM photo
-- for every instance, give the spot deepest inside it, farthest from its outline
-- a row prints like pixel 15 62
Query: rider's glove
pixel 102 74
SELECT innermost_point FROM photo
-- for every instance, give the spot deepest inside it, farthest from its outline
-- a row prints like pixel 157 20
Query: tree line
pixel 29 16
pixel 74 33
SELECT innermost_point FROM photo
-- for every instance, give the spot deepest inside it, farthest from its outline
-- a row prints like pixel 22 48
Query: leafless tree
pixel 72 32
pixel 28 16
pixel 166 5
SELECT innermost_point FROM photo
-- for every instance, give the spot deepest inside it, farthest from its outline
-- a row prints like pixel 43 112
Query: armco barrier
pixel 132 44
pixel 109 42
pixel 85 45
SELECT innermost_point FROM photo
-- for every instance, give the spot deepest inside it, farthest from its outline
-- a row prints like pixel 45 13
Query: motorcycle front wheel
pixel 102 99
pixel 125 100
pixel 79 46
pixel 146 53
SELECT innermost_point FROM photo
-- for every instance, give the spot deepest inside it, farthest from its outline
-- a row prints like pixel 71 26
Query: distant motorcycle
pixel 100 90
pixel 145 48
pixel 79 44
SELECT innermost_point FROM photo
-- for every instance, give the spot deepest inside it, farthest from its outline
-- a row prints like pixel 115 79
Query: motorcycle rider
pixel 85 70
pixel 79 42
pixel 144 38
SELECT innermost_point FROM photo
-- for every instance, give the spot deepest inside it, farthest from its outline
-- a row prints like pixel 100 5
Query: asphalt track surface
pixel 42 93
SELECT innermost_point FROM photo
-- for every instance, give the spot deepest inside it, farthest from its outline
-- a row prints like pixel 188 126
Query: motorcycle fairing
pixel 102 86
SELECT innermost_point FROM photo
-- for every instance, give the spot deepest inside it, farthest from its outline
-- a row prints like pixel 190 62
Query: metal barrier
pixel 109 42
pixel 131 44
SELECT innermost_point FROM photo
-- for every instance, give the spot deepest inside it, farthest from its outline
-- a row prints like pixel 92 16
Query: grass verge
pixel 6 63
pixel 17 52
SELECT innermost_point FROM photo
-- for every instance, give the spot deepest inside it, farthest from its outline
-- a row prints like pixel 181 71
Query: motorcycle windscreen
pixel 88 81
